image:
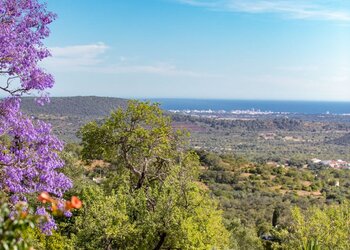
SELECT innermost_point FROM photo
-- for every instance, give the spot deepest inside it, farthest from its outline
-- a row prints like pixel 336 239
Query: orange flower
pixel 53 207
pixel 68 205
pixel 75 202
pixel 24 214
pixel 44 197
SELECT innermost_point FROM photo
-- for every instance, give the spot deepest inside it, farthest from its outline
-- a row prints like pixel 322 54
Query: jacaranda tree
pixel 29 159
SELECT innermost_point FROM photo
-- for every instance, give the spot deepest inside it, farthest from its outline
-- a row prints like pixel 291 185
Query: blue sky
pixel 222 49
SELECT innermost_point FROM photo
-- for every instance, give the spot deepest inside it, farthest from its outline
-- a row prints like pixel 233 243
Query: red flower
pixel 75 202
pixel 45 197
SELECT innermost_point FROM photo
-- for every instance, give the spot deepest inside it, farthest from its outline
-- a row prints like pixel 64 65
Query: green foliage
pixel 144 193
pixel 312 245
pixel 151 198
pixel 242 237
pixel 40 241
pixel 121 218
pixel 14 225
pixel 103 222
pixel 327 228
pixel 140 139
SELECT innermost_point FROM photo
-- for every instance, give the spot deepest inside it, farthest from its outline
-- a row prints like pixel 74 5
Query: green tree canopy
pixel 327 228
pixel 153 199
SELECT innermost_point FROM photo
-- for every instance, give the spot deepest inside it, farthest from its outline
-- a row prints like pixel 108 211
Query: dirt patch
pixel 283 191
pixel 97 163
pixel 306 183
pixel 276 187
pixel 306 193
pixel 245 175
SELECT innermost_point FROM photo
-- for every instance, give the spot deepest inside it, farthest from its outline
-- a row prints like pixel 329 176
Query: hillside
pixel 68 114
pixel 82 106
pixel 343 140
pixel 267 137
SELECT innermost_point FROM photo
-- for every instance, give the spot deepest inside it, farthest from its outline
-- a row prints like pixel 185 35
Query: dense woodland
pixel 143 187
pixel 270 138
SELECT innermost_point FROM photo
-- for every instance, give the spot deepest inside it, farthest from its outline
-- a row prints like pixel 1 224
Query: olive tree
pixel 154 193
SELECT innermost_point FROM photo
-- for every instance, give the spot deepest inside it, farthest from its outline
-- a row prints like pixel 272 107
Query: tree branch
pixel 161 241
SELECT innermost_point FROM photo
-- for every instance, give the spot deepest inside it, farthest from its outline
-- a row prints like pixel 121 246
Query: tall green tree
pixel 152 200
pixel 140 139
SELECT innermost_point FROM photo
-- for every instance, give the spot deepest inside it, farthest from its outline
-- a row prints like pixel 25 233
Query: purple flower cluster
pixel 23 26
pixel 47 225
pixel 29 154
pixel 29 159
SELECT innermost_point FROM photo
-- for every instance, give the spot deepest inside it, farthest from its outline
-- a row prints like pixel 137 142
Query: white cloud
pixel 199 3
pixel 88 51
pixel 340 79
pixel 297 9
pixel 92 58
pixel 159 69
pixel 341 75
pixel 302 68
pixel 76 56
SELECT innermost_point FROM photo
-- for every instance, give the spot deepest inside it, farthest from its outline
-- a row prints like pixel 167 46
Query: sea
pixel 298 107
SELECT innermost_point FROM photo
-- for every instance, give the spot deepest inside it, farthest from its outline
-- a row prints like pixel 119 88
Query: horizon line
pixel 195 98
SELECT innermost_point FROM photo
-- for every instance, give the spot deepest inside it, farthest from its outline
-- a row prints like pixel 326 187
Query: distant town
pixel 233 112
pixel 337 164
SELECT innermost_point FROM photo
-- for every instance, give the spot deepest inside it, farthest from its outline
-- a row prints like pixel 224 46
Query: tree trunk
pixel 141 181
pixel 161 241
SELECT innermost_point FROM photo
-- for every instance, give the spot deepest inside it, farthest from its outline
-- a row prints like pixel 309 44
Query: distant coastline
pixel 301 107
pixel 233 106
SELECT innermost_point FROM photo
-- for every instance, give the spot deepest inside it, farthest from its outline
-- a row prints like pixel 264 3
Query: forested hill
pixel 68 114
pixel 78 106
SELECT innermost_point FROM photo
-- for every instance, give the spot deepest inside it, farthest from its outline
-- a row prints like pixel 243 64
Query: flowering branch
pixel 29 159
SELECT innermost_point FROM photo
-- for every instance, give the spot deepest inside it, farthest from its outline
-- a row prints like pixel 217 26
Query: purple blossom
pixel 68 213
pixel 48 224
pixel 29 160
pixel 23 26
